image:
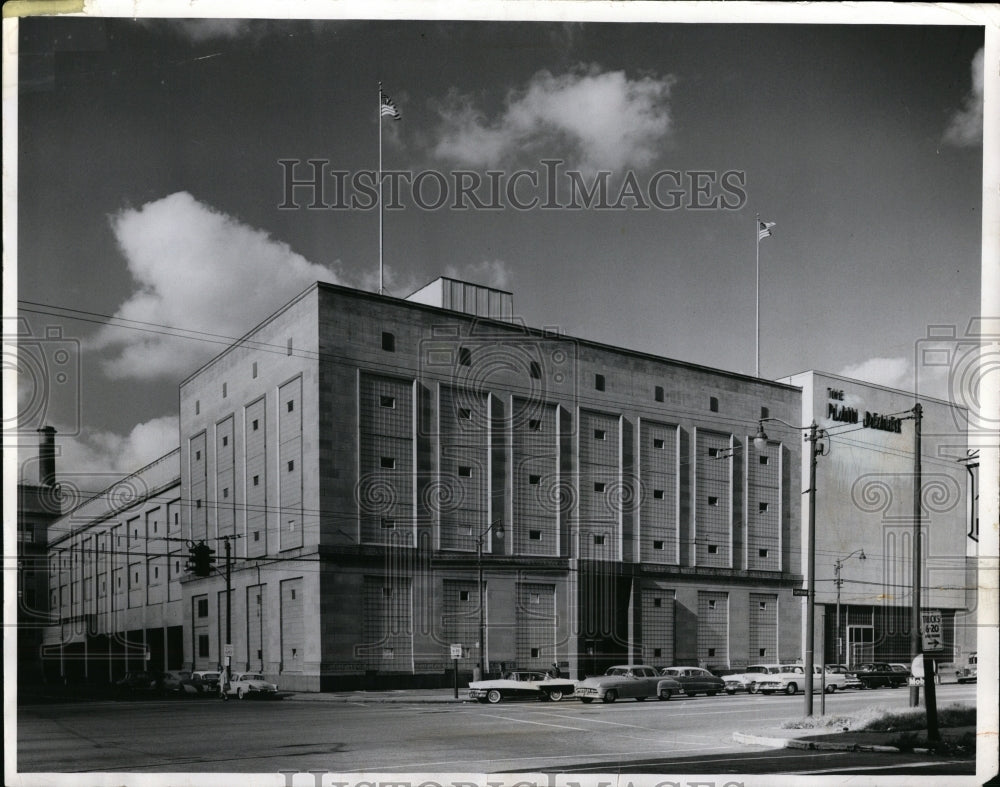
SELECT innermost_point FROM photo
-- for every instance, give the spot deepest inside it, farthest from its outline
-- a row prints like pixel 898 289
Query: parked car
pixel 850 679
pixel 521 684
pixel 875 674
pixel 749 679
pixel 625 680
pixel 250 684
pixel 969 673
pixel 695 680
pixel 139 681
pixel 206 682
pixel 903 668
pixel 179 682
pixel 793 677
pixel 667 687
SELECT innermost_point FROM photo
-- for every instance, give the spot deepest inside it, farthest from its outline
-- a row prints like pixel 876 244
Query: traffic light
pixel 200 559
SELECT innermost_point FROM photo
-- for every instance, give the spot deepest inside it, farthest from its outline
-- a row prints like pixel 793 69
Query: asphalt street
pixel 686 735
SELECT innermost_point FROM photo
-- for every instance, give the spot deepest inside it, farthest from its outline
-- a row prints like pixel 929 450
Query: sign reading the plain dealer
pixel 930 626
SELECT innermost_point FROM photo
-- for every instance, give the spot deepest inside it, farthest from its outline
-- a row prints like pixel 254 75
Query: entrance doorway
pixel 860 645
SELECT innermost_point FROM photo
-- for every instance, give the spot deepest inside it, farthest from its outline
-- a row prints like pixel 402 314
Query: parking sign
pixel 931 629
pixel 456 651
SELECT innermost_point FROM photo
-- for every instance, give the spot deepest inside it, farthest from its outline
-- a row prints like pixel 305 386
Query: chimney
pixel 47 456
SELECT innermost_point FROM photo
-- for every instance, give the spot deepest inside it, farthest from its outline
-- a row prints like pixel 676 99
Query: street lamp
pixel 496 527
pixel 836 568
pixel 816 449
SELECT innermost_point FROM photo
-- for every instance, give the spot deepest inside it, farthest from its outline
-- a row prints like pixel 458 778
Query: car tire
pixel 730 692
pixel 753 687
pixel 493 696
pixel 666 694
pixel 791 688
pixel 240 694
pixel 610 696
pixel 640 699
pixel 831 689
pixel 586 700
pixel 555 695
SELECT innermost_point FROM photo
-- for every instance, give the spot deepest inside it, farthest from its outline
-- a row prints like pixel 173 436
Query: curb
pixel 796 743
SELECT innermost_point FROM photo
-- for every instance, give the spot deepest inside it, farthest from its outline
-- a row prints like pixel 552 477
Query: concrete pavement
pixel 842 740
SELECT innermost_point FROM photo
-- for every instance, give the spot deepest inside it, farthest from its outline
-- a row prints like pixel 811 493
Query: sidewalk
pixel 372 697
pixel 777 738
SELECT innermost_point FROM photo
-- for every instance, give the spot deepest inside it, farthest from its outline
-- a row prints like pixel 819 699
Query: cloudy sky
pixel 151 190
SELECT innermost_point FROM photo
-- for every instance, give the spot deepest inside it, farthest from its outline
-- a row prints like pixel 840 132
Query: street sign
pixel 227 650
pixel 800 591
pixel 456 651
pixel 931 629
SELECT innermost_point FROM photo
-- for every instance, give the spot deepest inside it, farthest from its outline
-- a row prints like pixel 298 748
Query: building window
pixel 599 486
pixel 254 370
pixel 464 413
pixel 291 465
pixel 536 370
pixel 465 472
pixel 763 652
pixel 387 401
pixel 711 652
pixel 156 572
pixel 659 443
pixel 599 382
pixel 657 602
pixel 203 646
pixel 197 406
pixel 711 603
pixel 464 356
pixel 535 598
pixel 388 524
pixel 177 567
pixel 535 535
pixel 534 653
pixel 714 453
pixel 293 594
pixel 291 405
pixel 658 393
pixel 225 441
pixel 203 608
pixel 225 390
pixel 713 501
pixel 256 535
pixel 765 413
pixel 256 424
pixel 762 605
pixel 256 480
pixel 762 553
pixel 534 480
pixel 387 462
pixel 762 459
pixel 225 493
pixel 657 653
pixel 657 494
pixel 197 456
pixel 535 425
pixel 762 508
pixel 288 347
pixel 657 544
pixel 463 595
pixel 388 342
pixel 600 434
pixel 713 549
pixel 599 540
pixel 387 592
pixel 713 404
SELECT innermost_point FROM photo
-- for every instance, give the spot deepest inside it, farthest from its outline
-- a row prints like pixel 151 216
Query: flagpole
pixel 756 229
pixel 380 281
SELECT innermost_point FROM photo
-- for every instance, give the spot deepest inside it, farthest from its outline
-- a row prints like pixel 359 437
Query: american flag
pixel 764 229
pixel 388 108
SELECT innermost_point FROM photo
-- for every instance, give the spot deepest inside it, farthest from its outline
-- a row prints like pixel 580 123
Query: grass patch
pixel 876 718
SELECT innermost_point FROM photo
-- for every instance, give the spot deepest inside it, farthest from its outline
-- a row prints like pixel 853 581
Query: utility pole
pixel 229 611
pixel 814 451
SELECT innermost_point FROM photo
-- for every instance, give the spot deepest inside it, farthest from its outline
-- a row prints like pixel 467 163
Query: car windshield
pixel 616 671
pixel 252 676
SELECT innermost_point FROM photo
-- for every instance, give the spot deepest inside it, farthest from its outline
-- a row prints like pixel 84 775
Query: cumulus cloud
pixel 900 373
pixel 491 273
pixel 199 269
pixel 965 129
pixel 593 119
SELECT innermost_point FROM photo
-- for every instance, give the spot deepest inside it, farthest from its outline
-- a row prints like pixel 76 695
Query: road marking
pixel 526 721
pixel 855 768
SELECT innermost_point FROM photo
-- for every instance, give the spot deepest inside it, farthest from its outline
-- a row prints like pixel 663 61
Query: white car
pixel 521 685
pixel 792 678
pixel 750 678
pixel 250 685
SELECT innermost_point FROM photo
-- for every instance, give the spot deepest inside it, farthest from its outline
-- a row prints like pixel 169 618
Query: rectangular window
pixel 293 594
pixel 657 544
pixel 657 494
pixel 762 652
pixel 291 465
pixel 762 605
pixel 658 393
pixel 177 567
pixel 256 424
pixel 598 540
pixel 387 401
pixel 256 480
pixel 388 342
pixel 203 646
pixel 535 535
pixel 711 603
pixel 253 373
pixel 225 441
pixel 599 382
pixel 534 653
pixel 762 508
pixel 713 549
pixel 465 472
pixel 763 460
pixel 387 463
pixel 225 389
pixel 657 652
pixel 714 453
pixel 387 592
pixel 762 553
pixel 197 406
pixel 536 370
pixel 711 651
pixel 197 456
pixel 225 493
pixel 465 413
pixel 203 608
pixel 765 413
pixel 291 405
pixel 388 524
pixel 256 535
pixel 288 348
pixel 600 434
pixel 464 356
pixel 156 572
pixel 534 480
pixel 463 595
pixel 534 425
pixel 658 443
pixel 176 518
pixel 599 486
pixel 713 501
pixel 713 404
pixel 657 602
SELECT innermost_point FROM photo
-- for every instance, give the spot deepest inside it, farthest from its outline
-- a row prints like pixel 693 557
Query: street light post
pixel 815 450
pixel 482 608
pixel 838 581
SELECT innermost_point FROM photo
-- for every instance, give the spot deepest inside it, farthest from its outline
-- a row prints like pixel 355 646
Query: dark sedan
pixel 695 680
pixel 875 674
